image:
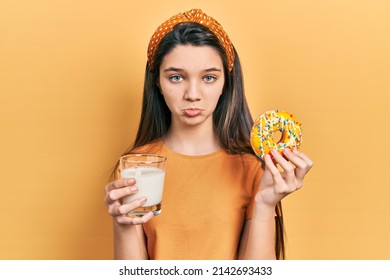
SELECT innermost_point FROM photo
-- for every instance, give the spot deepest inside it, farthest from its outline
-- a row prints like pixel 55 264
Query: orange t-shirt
pixel 206 200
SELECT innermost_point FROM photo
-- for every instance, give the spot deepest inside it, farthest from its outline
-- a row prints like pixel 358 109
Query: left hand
pixel 276 184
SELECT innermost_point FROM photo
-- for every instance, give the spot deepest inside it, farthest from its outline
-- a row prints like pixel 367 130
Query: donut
pixel 267 124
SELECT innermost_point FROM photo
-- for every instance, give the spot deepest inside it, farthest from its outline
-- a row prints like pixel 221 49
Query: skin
pixel 191 81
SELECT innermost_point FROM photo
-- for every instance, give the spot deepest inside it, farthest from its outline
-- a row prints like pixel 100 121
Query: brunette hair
pixel 232 119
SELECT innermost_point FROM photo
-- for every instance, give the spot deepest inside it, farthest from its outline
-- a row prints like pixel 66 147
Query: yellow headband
pixel 194 15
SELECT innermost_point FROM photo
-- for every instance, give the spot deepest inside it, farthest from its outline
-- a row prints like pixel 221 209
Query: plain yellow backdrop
pixel 71 77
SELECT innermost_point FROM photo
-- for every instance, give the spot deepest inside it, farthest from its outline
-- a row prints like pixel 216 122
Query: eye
pixel 209 79
pixel 176 78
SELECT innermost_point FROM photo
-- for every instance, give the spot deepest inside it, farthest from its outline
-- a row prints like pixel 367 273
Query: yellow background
pixel 71 77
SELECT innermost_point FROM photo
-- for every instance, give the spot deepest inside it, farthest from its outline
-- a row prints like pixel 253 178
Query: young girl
pixel 220 201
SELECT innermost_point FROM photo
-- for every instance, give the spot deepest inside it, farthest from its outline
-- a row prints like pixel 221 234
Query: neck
pixel 194 141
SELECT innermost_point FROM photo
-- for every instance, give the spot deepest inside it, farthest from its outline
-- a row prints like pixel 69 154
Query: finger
pixel 129 206
pixel 294 158
pixel 117 194
pixel 113 208
pixel 269 164
pixel 279 187
pixel 303 156
pixel 120 183
pixel 301 165
pixel 305 164
pixel 124 219
pixel 288 168
pixel 118 209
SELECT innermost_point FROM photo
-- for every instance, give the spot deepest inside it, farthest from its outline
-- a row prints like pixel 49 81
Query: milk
pixel 150 183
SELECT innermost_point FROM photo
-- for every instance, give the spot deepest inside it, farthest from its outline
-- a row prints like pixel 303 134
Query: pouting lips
pixel 192 112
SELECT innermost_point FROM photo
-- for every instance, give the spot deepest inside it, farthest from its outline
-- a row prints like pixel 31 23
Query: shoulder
pixel 248 159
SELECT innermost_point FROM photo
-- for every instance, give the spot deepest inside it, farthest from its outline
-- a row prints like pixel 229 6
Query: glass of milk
pixel 149 173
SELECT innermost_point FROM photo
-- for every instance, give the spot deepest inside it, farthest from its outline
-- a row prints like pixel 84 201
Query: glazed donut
pixel 265 125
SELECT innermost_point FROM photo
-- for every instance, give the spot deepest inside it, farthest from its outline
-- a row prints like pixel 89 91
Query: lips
pixel 192 112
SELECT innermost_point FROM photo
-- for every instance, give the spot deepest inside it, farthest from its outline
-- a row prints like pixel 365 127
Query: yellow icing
pixel 265 125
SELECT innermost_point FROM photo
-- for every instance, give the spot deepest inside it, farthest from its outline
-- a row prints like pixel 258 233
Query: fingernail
pixel 149 214
pixel 274 151
pixel 130 181
pixel 133 188
pixel 287 151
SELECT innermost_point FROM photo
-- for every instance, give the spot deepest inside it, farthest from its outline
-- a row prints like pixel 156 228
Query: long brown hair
pixel 232 119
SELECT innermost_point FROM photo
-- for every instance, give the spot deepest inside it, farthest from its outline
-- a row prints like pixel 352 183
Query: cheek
pixel 215 94
pixel 220 86
pixel 168 89
pixel 170 98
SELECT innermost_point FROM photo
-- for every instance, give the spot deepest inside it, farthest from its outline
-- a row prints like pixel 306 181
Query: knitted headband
pixel 194 15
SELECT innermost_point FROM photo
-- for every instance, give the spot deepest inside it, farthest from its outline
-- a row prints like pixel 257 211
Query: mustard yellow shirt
pixel 206 200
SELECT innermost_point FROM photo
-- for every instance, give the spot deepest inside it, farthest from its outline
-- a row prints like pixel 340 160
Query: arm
pixel 129 242
pixel 262 224
pixel 258 237
pixel 129 237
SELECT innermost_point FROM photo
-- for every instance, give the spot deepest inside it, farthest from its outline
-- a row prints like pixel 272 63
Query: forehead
pixel 192 57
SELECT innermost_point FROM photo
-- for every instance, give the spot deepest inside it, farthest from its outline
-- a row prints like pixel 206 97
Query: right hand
pixel 115 191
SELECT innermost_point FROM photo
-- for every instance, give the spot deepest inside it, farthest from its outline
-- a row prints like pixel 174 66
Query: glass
pixel 149 173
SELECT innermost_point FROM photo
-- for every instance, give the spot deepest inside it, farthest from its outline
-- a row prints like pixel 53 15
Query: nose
pixel 192 91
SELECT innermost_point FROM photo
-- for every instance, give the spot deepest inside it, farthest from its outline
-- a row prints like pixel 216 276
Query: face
pixel 191 81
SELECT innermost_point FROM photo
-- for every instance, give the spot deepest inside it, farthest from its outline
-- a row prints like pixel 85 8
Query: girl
pixel 220 201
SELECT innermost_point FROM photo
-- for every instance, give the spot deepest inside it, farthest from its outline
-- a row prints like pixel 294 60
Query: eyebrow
pixel 175 69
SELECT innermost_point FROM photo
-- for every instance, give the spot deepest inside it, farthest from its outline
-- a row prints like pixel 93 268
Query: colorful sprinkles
pixel 267 124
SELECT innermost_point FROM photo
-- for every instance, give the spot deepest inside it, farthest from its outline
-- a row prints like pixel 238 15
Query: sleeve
pixel 117 173
pixel 256 173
